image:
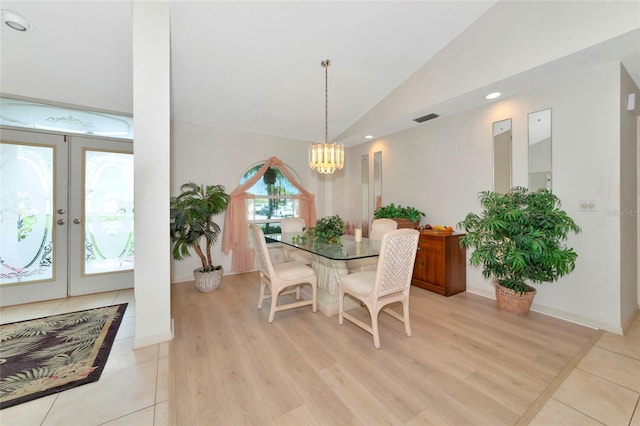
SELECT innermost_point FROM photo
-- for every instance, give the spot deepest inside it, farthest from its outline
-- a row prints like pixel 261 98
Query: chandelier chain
pixel 326 64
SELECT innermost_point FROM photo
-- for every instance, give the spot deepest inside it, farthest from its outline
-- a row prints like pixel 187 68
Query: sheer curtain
pixel 235 235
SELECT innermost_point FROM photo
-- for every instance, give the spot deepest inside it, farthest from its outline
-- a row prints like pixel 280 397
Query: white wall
pixel 213 156
pixel 441 166
pixel 628 202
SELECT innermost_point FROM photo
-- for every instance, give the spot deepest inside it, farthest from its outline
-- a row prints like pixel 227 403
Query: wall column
pixel 151 113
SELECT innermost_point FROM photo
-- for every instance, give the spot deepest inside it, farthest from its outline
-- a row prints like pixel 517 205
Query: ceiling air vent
pixel 425 118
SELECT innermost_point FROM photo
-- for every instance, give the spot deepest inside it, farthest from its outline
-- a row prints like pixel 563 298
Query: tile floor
pixel 604 388
pixel 133 388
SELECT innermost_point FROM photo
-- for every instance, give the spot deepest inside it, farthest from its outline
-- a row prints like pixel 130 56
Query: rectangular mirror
pixel 377 179
pixel 364 188
pixel 502 156
pixel 540 150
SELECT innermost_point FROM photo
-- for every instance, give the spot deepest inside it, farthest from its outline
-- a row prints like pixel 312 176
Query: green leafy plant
pixel 392 211
pixel 191 215
pixel 327 229
pixel 519 237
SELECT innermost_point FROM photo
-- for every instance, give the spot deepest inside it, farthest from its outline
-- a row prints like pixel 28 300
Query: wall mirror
pixel 502 156
pixel 364 188
pixel 540 150
pixel 377 179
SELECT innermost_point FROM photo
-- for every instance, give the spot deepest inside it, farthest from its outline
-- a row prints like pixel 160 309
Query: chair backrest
pixel 261 250
pixel 379 227
pixel 292 224
pixel 395 264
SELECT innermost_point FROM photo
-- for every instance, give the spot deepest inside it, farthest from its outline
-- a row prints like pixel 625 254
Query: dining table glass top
pixel 346 249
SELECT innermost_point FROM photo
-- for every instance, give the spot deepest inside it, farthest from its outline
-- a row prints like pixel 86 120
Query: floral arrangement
pixel 327 229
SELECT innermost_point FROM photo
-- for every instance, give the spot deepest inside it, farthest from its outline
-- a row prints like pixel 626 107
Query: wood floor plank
pixel 463 364
pixel 357 397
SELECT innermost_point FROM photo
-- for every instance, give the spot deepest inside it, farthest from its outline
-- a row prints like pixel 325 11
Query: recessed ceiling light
pixel 369 137
pixel 16 21
pixel 493 95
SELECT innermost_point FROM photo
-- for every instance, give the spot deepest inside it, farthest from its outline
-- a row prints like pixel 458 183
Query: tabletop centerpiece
pixel 327 230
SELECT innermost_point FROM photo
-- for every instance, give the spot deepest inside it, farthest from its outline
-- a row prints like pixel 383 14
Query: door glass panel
pixel 27 203
pixel 35 115
pixel 108 212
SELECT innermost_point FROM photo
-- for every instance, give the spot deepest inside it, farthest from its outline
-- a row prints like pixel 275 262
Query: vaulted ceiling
pixel 251 66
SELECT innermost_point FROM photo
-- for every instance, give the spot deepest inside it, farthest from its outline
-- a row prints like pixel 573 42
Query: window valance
pixel 235 235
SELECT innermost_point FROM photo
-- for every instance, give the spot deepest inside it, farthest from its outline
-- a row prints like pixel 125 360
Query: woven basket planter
pixel 513 302
pixel 207 281
pixel 406 223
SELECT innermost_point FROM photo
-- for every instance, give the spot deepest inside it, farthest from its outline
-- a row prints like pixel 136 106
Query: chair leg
pixel 374 328
pixel 274 301
pixel 340 306
pixel 261 298
pixel 405 312
pixel 298 292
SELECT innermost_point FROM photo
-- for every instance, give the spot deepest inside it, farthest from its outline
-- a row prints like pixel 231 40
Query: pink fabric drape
pixel 235 236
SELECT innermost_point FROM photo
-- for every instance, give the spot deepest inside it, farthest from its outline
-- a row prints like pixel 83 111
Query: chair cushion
pixel 293 271
pixel 359 282
pixel 299 256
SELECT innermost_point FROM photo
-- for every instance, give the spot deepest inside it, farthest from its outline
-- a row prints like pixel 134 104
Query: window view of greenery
pixel 274 199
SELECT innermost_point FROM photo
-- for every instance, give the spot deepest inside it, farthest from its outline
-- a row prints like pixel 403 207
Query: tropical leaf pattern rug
pixel 48 355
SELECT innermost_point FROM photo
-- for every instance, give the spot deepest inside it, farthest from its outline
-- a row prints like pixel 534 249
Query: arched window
pixel 274 198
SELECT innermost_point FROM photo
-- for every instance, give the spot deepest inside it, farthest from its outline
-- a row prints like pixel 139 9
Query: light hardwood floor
pixel 466 364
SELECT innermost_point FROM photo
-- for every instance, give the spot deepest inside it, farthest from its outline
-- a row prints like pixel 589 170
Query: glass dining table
pixel 329 262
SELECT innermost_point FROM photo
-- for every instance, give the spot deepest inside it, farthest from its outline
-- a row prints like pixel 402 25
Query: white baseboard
pixel 489 294
pixel 189 278
pixel 152 340
pixel 563 315
pixel 627 322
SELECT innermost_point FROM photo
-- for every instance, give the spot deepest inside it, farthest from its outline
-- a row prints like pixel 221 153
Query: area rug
pixel 48 355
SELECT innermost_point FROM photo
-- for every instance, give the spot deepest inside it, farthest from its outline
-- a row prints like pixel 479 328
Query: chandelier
pixel 326 157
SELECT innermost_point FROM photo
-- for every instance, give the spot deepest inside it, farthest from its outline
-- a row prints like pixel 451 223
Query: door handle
pixel 61 221
pixel 61 211
pixel 77 221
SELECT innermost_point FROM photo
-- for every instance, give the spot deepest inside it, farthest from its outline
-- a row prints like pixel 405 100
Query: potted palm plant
pixel 191 225
pixel 519 239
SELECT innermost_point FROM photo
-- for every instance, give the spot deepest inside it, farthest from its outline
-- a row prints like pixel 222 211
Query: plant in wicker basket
pixel 406 216
pixel 519 238
pixel 192 223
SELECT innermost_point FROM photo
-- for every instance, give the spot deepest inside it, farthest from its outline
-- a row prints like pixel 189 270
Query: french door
pixel 66 216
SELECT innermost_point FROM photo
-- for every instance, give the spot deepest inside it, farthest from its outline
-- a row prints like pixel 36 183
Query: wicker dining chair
pixel 379 227
pixel 281 279
pixel 391 282
pixel 294 224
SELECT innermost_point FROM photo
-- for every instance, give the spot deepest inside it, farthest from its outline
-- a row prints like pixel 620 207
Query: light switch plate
pixel 587 205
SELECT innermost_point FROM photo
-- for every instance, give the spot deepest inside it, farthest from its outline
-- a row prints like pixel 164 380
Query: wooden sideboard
pixel 441 264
